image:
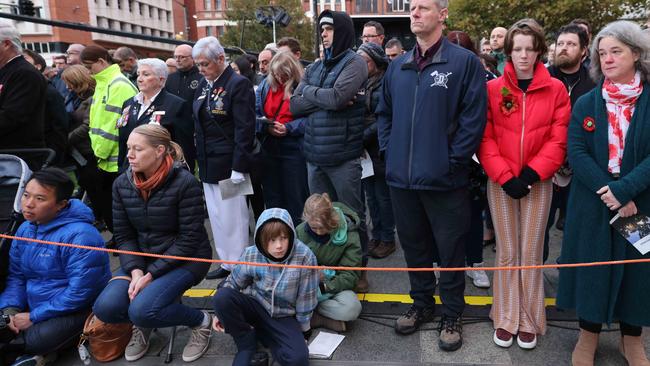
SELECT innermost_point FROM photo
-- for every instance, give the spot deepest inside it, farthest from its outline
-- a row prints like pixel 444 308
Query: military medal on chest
pixel 124 119
pixel 156 117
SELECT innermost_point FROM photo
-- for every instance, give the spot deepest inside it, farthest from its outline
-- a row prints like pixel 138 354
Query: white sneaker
pixel 199 341
pixel 138 345
pixel 479 278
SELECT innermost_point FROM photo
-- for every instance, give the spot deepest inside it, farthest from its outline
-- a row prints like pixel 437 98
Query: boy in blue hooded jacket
pixel 271 304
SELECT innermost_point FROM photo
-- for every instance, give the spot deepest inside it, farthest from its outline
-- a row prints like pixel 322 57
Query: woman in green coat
pixel 331 231
pixel 609 151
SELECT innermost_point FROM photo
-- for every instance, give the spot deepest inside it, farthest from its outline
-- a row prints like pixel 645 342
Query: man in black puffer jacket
pixel 332 97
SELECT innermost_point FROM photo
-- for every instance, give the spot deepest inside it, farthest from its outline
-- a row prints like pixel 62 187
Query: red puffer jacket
pixel 525 128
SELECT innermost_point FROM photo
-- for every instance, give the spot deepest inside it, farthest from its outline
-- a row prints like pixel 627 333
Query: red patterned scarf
pixel 620 100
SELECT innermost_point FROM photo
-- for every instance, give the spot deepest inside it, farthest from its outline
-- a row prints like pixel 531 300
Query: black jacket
pixel 226 108
pixel 171 222
pixel 184 83
pixel 57 123
pixel 22 106
pixel 174 108
pixel 78 137
pixel 577 89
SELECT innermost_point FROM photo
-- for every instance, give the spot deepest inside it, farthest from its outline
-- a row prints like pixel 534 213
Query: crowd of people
pixel 470 147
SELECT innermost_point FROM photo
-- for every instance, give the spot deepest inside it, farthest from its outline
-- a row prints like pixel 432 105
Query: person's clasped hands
pixel 613 204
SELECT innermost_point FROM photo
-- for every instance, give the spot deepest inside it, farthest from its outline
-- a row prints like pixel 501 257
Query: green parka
pixel 605 294
pixel 337 253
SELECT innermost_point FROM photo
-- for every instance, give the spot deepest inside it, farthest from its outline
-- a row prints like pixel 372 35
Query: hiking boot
pixel 479 278
pixel 320 321
pixel 372 244
pixel 410 321
pixel 526 340
pixel 451 333
pixel 260 358
pixel 383 250
pixel 138 345
pixel 502 338
pixel 199 341
pixel 362 284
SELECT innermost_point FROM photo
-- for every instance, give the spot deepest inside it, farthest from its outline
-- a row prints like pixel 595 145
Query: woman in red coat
pixel 523 145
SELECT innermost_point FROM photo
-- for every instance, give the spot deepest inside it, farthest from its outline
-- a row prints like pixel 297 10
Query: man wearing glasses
pixel 373 32
pixel 183 83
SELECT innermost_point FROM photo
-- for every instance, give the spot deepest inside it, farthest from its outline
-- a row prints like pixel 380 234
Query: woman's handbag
pixel 106 341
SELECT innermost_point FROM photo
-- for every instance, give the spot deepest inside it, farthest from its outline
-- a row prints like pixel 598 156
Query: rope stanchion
pixel 337 268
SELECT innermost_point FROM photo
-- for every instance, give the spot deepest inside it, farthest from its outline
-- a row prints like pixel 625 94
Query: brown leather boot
pixel 362 285
pixel 320 321
pixel 583 353
pixel 383 250
pixel 633 350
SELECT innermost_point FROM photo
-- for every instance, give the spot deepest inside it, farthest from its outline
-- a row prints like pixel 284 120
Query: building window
pixel 130 2
pixel 160 11
pixel 151 9
pixel 169 16
pixel 220 30
pixel 119 4
pixel 218 5
pixel 207 4
pixel 143 8
pixel 208 31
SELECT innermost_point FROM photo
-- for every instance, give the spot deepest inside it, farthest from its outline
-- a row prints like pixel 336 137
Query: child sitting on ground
pixel 330 230
pixel 270 304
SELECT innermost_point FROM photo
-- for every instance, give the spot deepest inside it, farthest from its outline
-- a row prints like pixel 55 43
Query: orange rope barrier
pixel 390 269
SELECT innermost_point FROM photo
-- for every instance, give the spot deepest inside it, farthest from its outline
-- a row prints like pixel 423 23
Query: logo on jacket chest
pixel 440 78
pixel 194 84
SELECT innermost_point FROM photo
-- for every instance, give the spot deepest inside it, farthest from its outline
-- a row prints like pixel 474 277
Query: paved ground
pixel 372 341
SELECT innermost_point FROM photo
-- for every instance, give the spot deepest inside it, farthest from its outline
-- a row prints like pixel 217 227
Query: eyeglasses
pixel 203 64
pixel 368 36
pixel 181 57
pixel 72 53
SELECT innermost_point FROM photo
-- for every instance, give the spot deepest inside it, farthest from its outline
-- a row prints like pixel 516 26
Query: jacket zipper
pixel 273 291
pixel 415 103
pixel 523 128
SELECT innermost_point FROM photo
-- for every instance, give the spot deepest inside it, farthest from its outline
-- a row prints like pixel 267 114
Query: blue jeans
pixel 156 306
pixel 380 207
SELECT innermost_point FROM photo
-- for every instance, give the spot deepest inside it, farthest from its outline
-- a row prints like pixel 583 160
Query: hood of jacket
pixel 343 32
pixel 275 214
pixel 76 211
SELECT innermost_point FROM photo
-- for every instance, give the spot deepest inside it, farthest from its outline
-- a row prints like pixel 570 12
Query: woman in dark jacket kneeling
pixel 157 208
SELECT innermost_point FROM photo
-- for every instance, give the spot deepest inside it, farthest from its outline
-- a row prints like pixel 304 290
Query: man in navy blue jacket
pixel 431 117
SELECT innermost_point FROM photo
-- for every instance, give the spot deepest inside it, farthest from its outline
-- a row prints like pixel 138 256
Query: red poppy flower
pixel 589 124
pixel 508 104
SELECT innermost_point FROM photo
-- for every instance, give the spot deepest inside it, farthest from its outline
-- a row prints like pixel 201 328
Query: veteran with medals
pixel 152 104
pixel 224 122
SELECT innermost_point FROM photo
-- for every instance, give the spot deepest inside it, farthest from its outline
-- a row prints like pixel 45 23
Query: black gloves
pixel 516 188
pixel 528 175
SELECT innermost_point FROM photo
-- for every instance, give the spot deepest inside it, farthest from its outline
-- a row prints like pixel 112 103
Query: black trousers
pixel 247 322
pixel 626 329
pixel 47 336
pixel 105 200
pixel 426 220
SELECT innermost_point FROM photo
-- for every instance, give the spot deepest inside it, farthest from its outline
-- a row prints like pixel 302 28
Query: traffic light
pixel 26 7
